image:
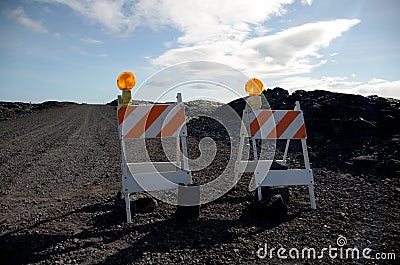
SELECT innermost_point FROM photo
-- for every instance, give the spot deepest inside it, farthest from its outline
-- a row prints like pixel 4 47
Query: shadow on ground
pixel 33 244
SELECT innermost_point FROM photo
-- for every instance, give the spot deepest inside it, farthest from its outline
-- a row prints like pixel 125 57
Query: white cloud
pixel 375 86
pixel 91 41
pixel 226 31
pixel 116 16
pixel 57 35
pixel 19 15
pixel 261 30
pixel 207 21
pixel 307 2
pixel 375 81
pixel 199 21
pixel 84 53
pixel 292 51
pixel 324 83
pixel 382 88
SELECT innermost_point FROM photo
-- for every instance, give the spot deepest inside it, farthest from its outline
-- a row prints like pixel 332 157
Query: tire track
pixel 35 141
pixel 81 153
pixel 24 153
pixel 11 129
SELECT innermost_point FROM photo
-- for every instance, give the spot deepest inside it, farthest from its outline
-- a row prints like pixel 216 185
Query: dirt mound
pixel 345 132
pixel 12 110
pixel 134 102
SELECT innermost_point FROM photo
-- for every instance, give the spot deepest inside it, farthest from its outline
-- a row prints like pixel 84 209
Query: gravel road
pixel 60 172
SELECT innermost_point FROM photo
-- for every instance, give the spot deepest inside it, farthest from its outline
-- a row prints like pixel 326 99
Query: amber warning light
pixel 254 87
pixel 125 82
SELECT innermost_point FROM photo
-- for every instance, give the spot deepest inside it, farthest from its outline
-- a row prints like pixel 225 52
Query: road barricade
pixel 265 124
pixel 153 121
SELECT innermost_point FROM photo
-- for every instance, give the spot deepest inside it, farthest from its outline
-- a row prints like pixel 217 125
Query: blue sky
pixel 74 50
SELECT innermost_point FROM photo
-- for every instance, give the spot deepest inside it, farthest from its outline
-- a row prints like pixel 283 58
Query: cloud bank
pixel 289 52
pixel 375 86
pixel 20 16
pixel 225 31
pixel 235 33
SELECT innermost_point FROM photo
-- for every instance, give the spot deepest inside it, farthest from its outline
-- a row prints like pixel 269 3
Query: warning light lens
pixel 254 87
pixel 126 81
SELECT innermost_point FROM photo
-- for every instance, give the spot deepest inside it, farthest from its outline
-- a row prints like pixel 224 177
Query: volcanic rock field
pixel 60 172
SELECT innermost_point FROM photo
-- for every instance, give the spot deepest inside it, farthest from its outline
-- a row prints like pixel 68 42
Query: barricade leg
pixel 286 151
pixel 163 123
pixel 312 197
pixel 259 193
pixel 128 208
pixel 258 124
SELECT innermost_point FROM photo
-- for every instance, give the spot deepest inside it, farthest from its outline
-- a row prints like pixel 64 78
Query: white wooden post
pixel 307 166
pixel 183 141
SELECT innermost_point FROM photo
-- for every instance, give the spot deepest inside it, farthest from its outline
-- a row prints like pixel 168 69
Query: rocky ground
pixel 12 110
pixel 60 173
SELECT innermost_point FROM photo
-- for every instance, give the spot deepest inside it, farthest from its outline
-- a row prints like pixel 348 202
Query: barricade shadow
pixel 32 244
pixel 170 235
pixel 23 248
pixel 200 234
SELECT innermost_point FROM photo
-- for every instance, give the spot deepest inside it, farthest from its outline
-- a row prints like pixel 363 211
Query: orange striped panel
pixel 174 124
pixel 259 121
pixel 124 112
pixel 146 121
pixel 283 124
pixel 301 133
pixel 154 113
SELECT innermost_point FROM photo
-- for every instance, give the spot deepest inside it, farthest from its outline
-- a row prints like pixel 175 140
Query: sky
pixel 70 50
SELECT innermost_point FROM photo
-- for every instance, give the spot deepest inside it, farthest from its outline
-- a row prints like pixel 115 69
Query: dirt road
pixel 53 164
pixel 60 171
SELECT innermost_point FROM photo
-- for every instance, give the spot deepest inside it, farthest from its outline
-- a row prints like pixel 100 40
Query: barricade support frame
pixel 262 174
pixel 172 174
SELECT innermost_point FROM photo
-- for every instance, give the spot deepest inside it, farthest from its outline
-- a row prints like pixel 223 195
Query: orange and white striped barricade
pixel 153 121
pixel 276 125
